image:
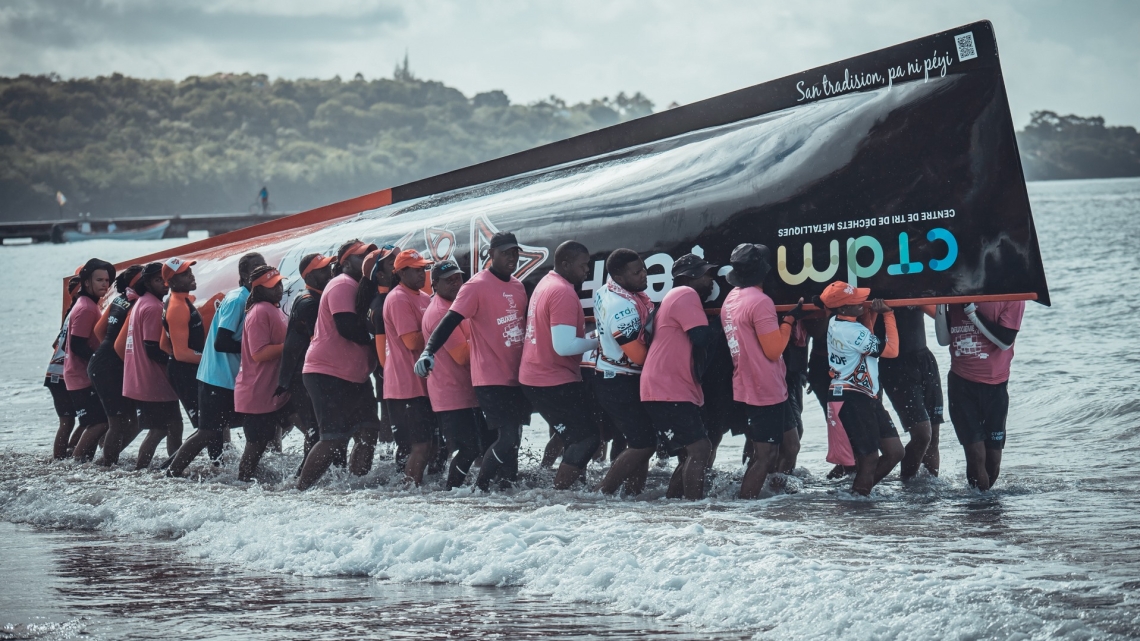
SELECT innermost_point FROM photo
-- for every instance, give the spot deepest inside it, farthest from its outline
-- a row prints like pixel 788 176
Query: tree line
pixel 120 146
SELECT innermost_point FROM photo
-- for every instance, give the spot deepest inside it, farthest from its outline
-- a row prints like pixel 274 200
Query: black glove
pixel 797 312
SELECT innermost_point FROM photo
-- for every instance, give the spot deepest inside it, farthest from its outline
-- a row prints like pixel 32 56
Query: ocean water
pixel 1052 552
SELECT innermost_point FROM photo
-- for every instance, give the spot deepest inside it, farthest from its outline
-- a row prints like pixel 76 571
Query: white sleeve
pixel 566 342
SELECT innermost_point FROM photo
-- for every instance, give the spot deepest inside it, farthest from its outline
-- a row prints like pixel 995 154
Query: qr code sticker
pixel 966 50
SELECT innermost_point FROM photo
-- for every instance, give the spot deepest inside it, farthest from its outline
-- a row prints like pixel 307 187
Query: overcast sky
pixel 1067 56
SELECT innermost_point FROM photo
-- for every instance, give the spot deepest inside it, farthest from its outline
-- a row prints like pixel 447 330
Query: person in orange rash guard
pixel 855 404
pixel 184 337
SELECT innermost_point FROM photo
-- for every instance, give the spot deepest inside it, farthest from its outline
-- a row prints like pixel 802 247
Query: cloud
pixel 1079 57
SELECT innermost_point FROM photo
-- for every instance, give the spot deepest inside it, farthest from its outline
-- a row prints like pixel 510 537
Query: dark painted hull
pixel 895 175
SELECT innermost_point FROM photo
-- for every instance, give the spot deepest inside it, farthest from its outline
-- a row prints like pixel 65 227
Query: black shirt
pixel 298 335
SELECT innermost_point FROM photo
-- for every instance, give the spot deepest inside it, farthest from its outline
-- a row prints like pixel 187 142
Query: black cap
pixel 750 264
pixel 151 270
pixel 504 240
pixel 692 266
pixel 443 269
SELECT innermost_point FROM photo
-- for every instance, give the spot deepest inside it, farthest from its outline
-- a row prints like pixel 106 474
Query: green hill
pixel 125 146
pixel 120 146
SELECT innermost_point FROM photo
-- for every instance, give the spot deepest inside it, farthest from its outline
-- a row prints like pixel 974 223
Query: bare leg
pixel 865 473
pixel 932 460
pixel 198 441
pixel 892 449
pixel 553 450
pixel 363 451
pixel 976 474
pixel 62 437
pixel 566 476
pixel 915 450
pixel 630 463
pixel 695 467
pixel 118 429
pixel 676 488
pixel 173 436
pixel 318 461
pixel 89 442
pixel 418 459
pixel 789 452
pixel 149 445
pixel 764 459
pixel 250 458
pixel 993 464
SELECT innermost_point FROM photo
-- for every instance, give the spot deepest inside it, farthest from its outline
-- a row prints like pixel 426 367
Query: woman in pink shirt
pixel 263 339
pixel 338 364
pixel 144 369
pixel 95 279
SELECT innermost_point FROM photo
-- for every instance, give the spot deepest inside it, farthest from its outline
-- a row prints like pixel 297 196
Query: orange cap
pixel 839 293
pixel 410 258
pixel 359 247
pixel 268 279
pixel 317 263
pixel 174 266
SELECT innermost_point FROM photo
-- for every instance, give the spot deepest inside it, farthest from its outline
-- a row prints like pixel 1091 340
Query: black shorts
pixel 263 427
pixel 216 408
pixel 978 411
pixel 106 373
pixel 59 397
pixel 503 406
pixel 678 423
pixel 566 408
pixel 184 379
pixel 157 415
pixel 914 386
pixel 88 408
pixel 342 407
pixel 767 423
pixel 620 398
pixel 466 429
pixel 865 421
pixel 413 422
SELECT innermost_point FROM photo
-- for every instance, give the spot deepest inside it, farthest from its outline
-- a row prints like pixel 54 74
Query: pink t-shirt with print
pixel 553 302
pixel 403 314
pixel 668 371
pixel 973 356
pixel 81 323
pixel 449 386
pixel 144 379
pixel 496 312
pixel 329 352
pixel 748 313
pixel 265 325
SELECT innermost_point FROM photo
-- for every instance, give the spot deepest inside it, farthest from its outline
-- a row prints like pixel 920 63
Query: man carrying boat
pixel 981 338
pixel 494 302
pixel 551 372
pixel 670 381
pixel 855 406
pixel 912 382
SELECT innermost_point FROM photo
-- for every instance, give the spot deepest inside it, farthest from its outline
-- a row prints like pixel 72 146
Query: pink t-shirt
pixel 495 311
pixel 329 352
pixel 756 380
pixel 403 314
pixel 265 324
pixel 668 371
pixel 81 322
pixel 973 356
pixel 553 302
pixel 449 385
pixel 144 379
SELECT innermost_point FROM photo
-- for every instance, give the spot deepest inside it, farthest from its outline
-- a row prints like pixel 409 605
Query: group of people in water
pixel 460 370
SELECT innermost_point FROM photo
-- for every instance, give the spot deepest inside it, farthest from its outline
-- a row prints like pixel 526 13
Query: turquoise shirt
pixel 218 368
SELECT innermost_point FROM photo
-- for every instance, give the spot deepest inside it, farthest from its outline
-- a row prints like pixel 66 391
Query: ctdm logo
pixel 856 270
